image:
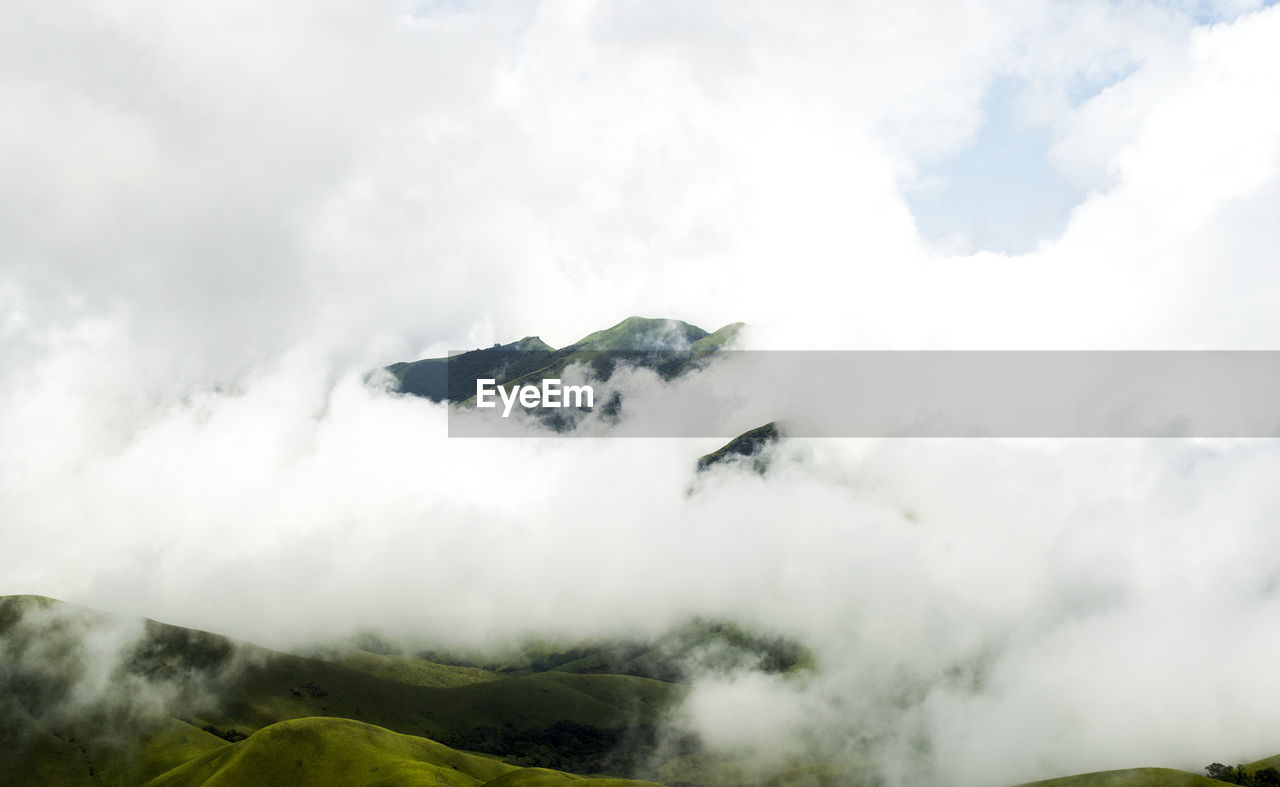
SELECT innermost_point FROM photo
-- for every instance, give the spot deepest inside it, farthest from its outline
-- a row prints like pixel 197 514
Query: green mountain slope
pixel 1132 777
pixel 1262 773
pixel 332 751
pixel 165 705
pixel 541 777
pixel 286 686
pixel 749 445
pixel 454 378
pixel 176 693
pixel 414 671
pixel 670 347
pixel 700 644
pixel 325 751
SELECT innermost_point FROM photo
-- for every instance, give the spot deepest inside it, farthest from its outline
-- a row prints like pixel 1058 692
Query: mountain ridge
pixel 670 347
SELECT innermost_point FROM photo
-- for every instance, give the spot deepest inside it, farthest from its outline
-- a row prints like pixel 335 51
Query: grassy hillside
pixel 1262 773
pixel 333 751
pixel 1132 777
pixel 413 671
pixel 699 644
pixel 1268 762
pixel 34 753
pixel 90 699
pixel 540 777
pixel 285 686
pixel 167 694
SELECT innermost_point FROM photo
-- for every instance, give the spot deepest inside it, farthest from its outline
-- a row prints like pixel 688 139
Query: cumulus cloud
pixel 215 219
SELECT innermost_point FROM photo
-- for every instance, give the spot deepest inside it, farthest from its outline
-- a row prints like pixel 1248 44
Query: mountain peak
pixel 644 333
pixel 530 344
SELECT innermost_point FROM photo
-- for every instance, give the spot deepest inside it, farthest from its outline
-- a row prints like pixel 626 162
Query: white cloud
pixel 215 218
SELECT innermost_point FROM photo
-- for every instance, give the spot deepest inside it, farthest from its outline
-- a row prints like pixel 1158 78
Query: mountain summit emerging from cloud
pixel 669 346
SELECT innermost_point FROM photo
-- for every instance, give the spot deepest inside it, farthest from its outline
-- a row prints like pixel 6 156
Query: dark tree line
pixel 570 746
pixel 1263 777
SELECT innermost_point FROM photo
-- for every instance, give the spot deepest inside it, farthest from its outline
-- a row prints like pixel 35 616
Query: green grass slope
pixel 54 730
pixel 1131 777
pixel 328 751
pixel 30 753
pixel 166 746
pixel 170 698
pixel 332 751
pixel 413 671
pixel 541 777
pixel 285 686
pixel 257 686
pixel 224 689
pixel 642 333
pixel 1157 777
pixel 1268 762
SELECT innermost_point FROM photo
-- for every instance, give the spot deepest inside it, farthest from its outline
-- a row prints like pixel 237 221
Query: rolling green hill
pixel 333 751
pixel 1132 777
pixel 1262 773
pixel 87 698
pixel 414 671
pixel 329 751
pixel 172 693
pixel 166 695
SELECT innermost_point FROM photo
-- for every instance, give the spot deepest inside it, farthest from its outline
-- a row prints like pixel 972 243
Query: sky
pixel 215 218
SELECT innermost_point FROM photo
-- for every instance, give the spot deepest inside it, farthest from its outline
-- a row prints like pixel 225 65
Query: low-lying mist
pixel 978 611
